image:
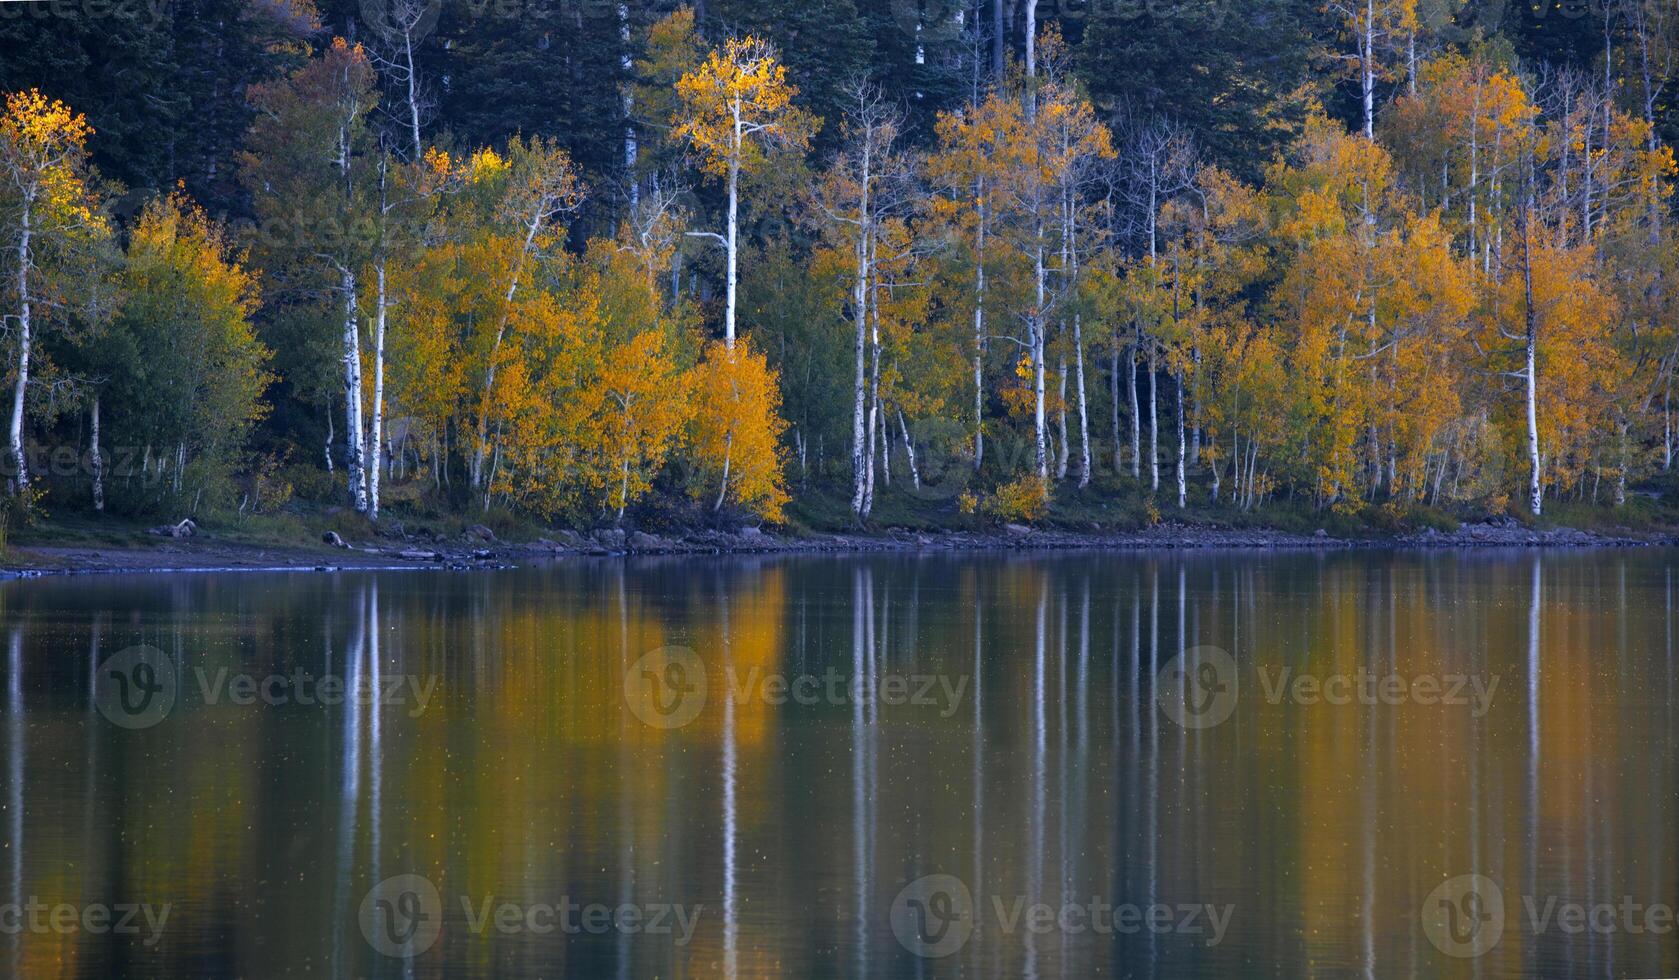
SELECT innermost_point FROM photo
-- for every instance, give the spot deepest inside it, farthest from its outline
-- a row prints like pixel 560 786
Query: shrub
pixel 1023 501
pixel 314 484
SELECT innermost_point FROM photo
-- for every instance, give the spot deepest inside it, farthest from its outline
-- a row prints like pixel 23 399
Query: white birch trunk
pixel 355 451
pixel 909 451
pixel 1064 454
pixel 1183 481
pixel 979 337
pixel 19 463
pixel 1411 64
pixel 1626 462
pixel 96 460
pixel 1367 66
pixel 728 462
pixel 377 434
pixel 1136 415
pixel 631 141
pixel 1535 487
pixel 1084 407
pixel 1217 471
pixel 1474 172
pixel 862 459
pixel 1667 427
pixel 1153 425
pixel 1031 38
pixel 413 88
pixel 1113 396
pixel 1040 429
pixel 1536 495
pixel 881 430
pixel 733 245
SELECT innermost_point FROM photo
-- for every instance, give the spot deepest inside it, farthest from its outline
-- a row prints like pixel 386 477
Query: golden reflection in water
pixel 790 827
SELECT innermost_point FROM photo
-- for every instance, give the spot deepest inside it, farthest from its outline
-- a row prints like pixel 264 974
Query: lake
pixel 1146 765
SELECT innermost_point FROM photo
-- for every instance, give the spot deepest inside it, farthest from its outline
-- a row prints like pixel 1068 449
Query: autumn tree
pixel 593 395
pixel 1550 332
pixel 1039 180
pixel 1157 165
pixel 645 408
pixel 867 184
pixel 964 176
pixel 732 111
pixel 311 169
pixel 404 204
pixel 51 214
pixel 1377 29
pixel 398 28
pixel 642 384
pixel 537 185
pixel 1082 147
pixel 191 374
pixel 1455 140
pixel 1377 297
pixel 1208 259
pixel 737 428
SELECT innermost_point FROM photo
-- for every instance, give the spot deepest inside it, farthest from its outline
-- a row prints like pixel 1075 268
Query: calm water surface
pixel 820 767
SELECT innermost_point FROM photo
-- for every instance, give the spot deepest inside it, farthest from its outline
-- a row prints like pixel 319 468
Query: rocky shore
pixel 183 547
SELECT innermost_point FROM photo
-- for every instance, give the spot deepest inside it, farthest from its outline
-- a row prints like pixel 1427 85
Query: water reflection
pixel 864 724
pixel 15 776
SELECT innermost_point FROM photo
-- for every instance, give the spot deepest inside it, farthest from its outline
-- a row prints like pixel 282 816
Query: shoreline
pixel 205 554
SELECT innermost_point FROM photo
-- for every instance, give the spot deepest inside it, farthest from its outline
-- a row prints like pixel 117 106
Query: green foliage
pixel 540 69
pixel 160 82
pixel 185 371
pixel 1230 72
pixel 311 483
pixel 793 313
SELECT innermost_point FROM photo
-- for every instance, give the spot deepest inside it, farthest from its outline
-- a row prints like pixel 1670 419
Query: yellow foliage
pixel 644 407
pixel 737 429
pixel 737 102
pixel 43 156
pixel 1577 364
pixel 1023 500
pixel 1377 302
